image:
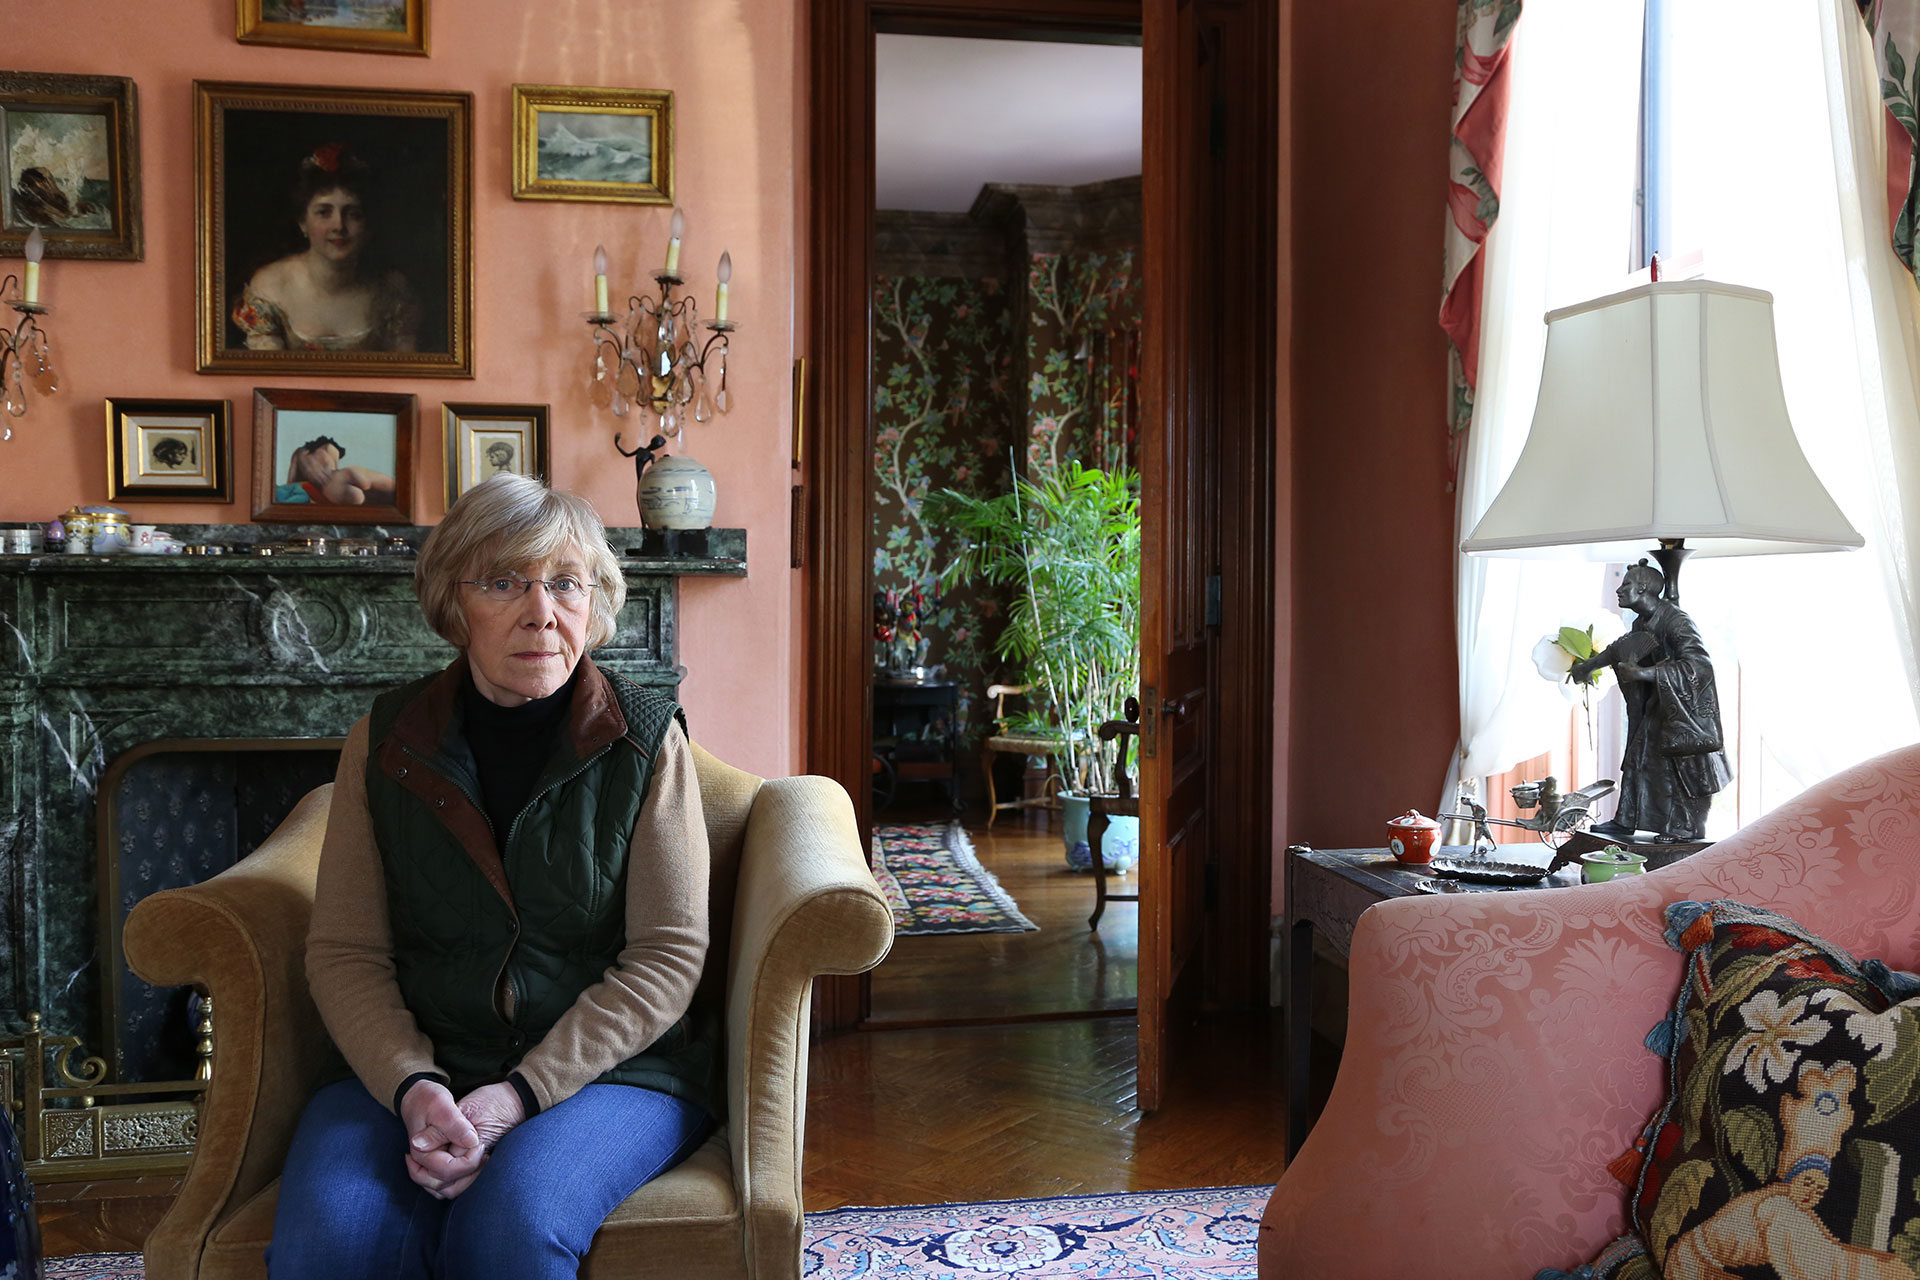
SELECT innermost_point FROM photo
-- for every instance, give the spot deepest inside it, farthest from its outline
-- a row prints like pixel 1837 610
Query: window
pixel 1736 98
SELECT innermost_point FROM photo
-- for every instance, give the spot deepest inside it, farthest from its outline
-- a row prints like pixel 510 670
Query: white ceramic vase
pixel 676 492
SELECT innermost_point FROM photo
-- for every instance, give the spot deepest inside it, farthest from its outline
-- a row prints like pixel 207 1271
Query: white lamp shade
pixel 1661 416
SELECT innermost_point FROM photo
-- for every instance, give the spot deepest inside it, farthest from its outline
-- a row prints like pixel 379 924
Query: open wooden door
pixel 1209 442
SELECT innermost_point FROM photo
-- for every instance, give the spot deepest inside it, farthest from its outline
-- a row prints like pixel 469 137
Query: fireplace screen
pixel 173 814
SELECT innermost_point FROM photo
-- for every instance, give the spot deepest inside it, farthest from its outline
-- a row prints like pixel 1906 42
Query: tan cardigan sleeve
pixel 651 983
pixel 350 945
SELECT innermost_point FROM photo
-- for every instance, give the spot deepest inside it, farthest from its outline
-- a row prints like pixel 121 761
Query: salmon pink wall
pixel 127 329
pixel 1375 707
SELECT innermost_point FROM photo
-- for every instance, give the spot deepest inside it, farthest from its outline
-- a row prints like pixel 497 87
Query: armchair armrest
pixel 807 905
pixel 241 936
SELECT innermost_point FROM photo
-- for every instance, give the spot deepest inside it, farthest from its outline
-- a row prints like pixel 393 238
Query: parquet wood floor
pixel 1062 968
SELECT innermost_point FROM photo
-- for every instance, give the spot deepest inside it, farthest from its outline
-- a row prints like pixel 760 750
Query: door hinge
pixel 1149 723
pixel 1216 607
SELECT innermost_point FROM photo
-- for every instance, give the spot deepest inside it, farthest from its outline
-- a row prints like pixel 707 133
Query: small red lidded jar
pixel 1412 836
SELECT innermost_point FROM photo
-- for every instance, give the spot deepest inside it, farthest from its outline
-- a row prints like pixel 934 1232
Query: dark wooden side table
pixel 1327 889
pixel 917 727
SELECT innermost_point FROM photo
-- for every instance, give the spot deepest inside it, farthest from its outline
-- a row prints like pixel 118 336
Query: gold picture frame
pixel 613 145
pixel 403 159
pixel 280 23
pixel 483 440
pixel 70 165
pixel 169 450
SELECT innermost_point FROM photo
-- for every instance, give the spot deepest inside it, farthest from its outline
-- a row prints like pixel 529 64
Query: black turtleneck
pixel 511 745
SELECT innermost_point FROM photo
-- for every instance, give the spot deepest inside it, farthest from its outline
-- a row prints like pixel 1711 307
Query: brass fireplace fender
pixel 68 1135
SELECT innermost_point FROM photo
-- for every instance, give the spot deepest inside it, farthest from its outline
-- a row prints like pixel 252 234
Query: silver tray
pixel 1487 871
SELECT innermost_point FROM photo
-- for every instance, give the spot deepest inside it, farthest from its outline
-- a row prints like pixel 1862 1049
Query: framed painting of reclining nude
pixel 332 457
pixel 334 231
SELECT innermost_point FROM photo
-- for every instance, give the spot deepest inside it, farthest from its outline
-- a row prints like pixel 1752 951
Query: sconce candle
pixel 675 229
pixel 723 273
pixel 600 280
pixel 36 246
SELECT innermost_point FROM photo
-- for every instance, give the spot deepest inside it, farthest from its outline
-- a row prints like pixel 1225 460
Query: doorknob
pixel 1174 708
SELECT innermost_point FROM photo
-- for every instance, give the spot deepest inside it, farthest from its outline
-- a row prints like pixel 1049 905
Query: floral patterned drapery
pixel 1481 47
pixel 1895 25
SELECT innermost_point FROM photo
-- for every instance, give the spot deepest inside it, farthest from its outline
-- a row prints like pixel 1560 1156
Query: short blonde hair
pixel 509 523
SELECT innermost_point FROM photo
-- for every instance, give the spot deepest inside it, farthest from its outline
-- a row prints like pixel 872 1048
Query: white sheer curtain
pixel 1886 306
pixel 1779 178
pixel 1566 214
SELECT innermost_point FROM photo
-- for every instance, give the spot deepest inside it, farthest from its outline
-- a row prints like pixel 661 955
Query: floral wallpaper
pixel 1083 316
pixel 949 367
pixel 943 418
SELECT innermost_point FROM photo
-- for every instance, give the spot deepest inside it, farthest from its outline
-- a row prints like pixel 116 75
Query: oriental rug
pixel 934 883
pixel 1204 1234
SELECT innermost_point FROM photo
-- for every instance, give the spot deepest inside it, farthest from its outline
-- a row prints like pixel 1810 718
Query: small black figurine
pixel 642 455
pixel 1675 761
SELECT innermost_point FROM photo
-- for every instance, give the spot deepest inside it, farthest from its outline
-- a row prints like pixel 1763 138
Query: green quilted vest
pixel 543 904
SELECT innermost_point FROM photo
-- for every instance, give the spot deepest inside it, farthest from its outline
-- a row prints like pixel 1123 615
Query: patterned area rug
pixel 1206 1234
pixel 933 882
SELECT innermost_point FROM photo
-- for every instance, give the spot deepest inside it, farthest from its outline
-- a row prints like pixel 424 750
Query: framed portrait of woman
pixel 334 231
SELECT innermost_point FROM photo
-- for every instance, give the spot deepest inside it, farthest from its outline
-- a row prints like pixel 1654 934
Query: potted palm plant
pixel 1067 545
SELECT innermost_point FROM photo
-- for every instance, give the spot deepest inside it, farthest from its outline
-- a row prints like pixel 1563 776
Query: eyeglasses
pixel 565 590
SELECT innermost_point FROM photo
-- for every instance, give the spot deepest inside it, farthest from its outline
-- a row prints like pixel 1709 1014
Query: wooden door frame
pixel 838 583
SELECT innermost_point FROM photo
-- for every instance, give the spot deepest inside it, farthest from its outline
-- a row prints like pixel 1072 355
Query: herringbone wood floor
pixel 908 1116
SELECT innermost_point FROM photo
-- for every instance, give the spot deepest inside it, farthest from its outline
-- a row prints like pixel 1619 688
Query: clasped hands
pixel 448 1141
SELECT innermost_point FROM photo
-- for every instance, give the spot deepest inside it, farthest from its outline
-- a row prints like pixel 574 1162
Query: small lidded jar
pixel 1411 837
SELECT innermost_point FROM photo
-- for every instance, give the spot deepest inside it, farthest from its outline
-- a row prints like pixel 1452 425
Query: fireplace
pixel 160 714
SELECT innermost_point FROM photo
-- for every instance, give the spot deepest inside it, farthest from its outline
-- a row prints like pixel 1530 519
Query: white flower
pixel 1876 1032
pixel 1772 1044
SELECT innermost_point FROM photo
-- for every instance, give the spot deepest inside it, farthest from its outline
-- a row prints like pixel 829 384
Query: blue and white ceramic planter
pixel 1119 847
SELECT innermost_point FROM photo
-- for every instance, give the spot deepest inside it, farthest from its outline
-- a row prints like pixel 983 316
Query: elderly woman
pixel 326 296
pixel 509 925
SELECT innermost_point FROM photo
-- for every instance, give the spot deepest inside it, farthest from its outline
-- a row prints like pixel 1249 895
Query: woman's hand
pixel 1631 673
pixel 492 1110
pixel 444 1153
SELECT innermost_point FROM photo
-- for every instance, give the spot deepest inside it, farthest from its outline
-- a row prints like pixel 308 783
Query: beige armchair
pixel 792 899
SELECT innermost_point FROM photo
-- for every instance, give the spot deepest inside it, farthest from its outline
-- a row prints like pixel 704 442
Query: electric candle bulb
pixel 600 280
pixel 36 246
pixel 675 229
pixel 724 273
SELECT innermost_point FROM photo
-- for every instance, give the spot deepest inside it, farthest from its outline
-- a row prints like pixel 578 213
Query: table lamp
pixel 1661 419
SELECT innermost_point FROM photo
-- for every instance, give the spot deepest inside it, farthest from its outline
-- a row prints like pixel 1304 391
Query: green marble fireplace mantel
pixel 104 654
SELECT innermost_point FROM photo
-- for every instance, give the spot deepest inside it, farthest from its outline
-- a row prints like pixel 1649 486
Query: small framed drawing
pixel 486 440
pixel 169 450
pixel 592 144
pixel 355 26
pixel 70 151
pixel 334 230
pixel 332 457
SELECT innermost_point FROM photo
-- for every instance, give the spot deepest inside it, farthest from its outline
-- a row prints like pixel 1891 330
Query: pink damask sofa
pixel 1494 1060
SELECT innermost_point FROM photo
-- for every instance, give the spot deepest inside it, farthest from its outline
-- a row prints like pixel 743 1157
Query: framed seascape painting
pixel 332 457
pixel 169 450
pixel 334 231
pixel 358 26
pixel 592 144
pixel 70 155
pixel 486 440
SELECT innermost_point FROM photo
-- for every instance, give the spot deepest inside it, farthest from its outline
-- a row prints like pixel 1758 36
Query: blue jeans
pixel 348 1210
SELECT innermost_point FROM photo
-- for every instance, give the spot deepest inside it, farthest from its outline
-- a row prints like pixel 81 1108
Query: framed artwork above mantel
pixel 334 230
pixel 70 165
pixel 352 26
pixel 339 457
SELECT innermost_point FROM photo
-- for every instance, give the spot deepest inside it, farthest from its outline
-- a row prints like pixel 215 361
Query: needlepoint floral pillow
pixel 1789 1143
